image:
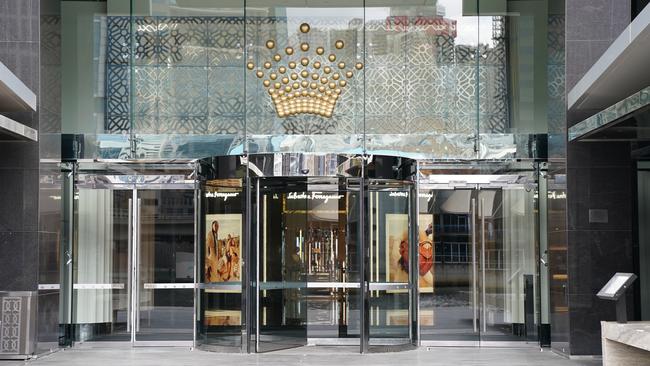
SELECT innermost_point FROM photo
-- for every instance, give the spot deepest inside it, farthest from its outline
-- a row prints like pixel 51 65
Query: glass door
pixel 391 267
pixel 101 260
pixel 449 288
pixel 282 252
pixel 133 262
pixel 164 266
pixel 508 264
pixel 483 286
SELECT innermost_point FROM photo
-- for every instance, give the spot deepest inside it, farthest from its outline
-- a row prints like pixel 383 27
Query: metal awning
pixel 620 72
pixel 15 96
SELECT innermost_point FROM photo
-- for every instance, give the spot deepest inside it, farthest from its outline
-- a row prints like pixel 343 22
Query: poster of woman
pixel 223 248
pixel 397 243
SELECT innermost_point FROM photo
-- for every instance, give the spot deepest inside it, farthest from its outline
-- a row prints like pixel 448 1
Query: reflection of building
pixel 140 102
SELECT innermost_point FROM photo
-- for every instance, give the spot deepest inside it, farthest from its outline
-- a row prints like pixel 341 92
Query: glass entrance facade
pixel 269 175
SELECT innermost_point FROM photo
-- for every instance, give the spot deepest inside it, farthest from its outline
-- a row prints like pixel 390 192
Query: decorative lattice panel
pixel 11 322
pixel 189 76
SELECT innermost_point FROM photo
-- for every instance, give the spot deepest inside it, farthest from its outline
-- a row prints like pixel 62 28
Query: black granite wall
pixel 27 241
pixel 19 51
pixel 599 187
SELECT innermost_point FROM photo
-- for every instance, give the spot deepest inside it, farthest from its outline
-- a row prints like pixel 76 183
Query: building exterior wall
pixel 600 178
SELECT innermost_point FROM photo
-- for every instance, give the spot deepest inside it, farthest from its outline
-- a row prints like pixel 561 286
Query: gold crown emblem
pixel 302 83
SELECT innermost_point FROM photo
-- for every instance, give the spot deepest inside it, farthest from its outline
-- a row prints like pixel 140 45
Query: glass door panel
pixel 164 266
pixel 390 265
pixel 220 308
pixel 282 230
pixel 449 307
pixel 101 262
pixel 484 268
pixel 508 264
pixel 332 263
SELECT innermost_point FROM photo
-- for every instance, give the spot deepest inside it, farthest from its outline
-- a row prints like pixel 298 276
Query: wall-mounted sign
pixel 314 196
pixel 224 195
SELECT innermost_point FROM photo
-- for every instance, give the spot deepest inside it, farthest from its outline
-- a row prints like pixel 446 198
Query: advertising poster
pixel 397 244
pixel 223 248
pixel 426 252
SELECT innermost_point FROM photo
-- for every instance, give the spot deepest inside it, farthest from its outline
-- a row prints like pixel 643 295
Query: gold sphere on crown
pixel 304 73
pixel 282 69
pixel 285 80
pixel 341 65
pixel 304 47
pixel 339 44
pixel 292 65
pixel 259 74
pixel 349 74
pixel 273 76
pixel 250 65
pixel 294 76
pixel 343 83
pixel 358 66
pixel 320 50
pixel 288 51
pixel 317 65
pixel 277 57
pixel 304 28
pixel 327 69
pixel 266 83
pixel 336 76
pixel 304 61
pixel 270 44
pixel 267 65
pixel 277 85
pixel 332 57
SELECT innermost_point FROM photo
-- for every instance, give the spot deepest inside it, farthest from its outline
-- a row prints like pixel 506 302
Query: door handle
pixel 136 271
pixel 483 297
pixel 129 267
pixel 474 279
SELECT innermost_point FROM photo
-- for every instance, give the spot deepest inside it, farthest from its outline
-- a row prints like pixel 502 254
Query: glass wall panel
pixel 421 76
pixel 186 77
pixel 82 66
pixel 304 83
pixel 521 76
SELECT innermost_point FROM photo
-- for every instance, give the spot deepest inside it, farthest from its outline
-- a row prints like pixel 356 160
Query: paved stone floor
pixel 325 356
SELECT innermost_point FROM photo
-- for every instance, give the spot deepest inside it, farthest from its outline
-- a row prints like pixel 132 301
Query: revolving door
pixel 307 249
